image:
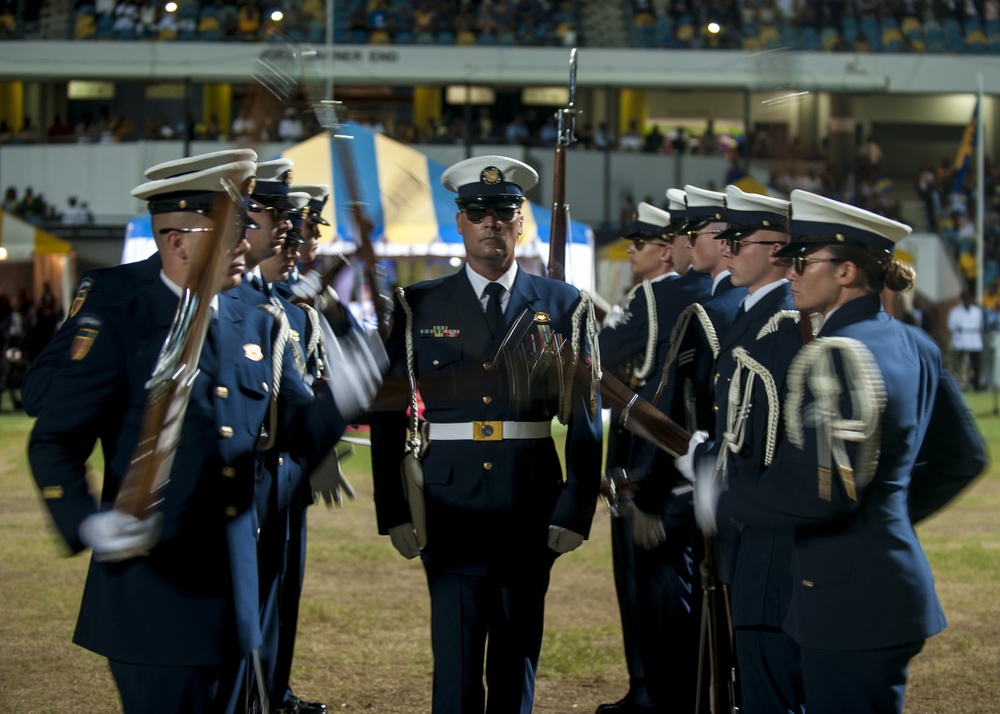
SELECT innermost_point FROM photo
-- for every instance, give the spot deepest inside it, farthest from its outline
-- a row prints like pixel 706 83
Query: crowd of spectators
pixel 26 326
pixel 466 22
pixel 33 208
pixel 188 20
pixel 951 26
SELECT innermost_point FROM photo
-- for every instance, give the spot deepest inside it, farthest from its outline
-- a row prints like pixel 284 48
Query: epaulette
pixel 814 365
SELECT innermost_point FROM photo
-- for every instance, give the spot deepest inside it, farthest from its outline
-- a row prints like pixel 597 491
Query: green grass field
pixel 364 636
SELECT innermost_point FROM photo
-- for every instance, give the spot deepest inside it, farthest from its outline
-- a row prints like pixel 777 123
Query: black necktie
pixel 260 285
pixel 494 313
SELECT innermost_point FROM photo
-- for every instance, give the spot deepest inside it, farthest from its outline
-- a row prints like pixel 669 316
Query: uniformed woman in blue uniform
pixel 877 437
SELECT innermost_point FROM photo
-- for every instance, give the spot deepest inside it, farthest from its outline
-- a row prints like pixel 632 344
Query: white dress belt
pixel 489 430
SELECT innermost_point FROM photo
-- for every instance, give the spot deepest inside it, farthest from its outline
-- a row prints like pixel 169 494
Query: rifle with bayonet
pixel 566 122
pixel 169 388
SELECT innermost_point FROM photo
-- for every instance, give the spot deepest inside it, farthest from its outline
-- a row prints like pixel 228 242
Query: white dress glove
pixel 647 529
pixel 707 490
pixel 685 464
pixel 405 540
pixel 562 540
pixel 356 363
pixel 613 317
pixel 328 481
pixel 115 536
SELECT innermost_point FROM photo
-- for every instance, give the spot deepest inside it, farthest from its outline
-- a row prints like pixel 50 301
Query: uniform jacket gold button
pixel 715 407
pixel 435 362
pixel 488 465
pixel 221 392
pixel 264 386
pixel 281 461
pixel 231 511
pixel 225 432
pixel 808 583
pixel 228 471
pixel 487 366
pixel 487 399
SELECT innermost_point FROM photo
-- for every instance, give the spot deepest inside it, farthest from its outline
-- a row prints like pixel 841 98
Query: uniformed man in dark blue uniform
pixel 172 649
pixel 494 352
pixel 635 347
pixel 749 379
pixel 873 425
pixel 184 645
pixel 294 493
pixel 663 517
pixel 113 284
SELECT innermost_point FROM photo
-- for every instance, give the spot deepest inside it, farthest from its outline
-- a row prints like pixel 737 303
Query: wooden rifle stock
pixel 380 293
pixel 177 365
pixel 643 419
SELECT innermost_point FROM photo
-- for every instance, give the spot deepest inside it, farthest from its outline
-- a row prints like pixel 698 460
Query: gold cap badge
pixel 491 175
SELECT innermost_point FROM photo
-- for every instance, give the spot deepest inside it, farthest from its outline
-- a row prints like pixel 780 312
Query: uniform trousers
pixel 669 603
pixel 506 609
pixel 148 689
pixel 623 561
pixel 857 681
pixel 769 671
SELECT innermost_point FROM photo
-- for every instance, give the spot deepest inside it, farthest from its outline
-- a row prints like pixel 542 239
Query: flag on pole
pixel 963 159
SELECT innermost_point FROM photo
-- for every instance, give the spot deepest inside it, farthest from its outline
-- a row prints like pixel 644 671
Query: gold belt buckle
pixel 487 431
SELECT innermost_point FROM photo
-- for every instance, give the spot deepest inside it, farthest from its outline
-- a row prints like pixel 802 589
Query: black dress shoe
pixel 625 705
pixel 294 705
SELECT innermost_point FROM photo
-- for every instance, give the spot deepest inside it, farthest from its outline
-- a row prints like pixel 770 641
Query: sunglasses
pixel 692 235
pixel 278 214
pixel 800 262
pixel 206 229
pixel 734 243
pixel 640 243
pixel 476 214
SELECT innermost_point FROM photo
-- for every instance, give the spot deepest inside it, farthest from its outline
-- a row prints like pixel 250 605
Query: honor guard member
pixel 754 356
pixel 877 437
pixel 312 219
pixel 494 352
pixel 172 649
pixel 270 208
pixel 113 284
pixel 663 515
pixel 287 533
pixel 634 347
